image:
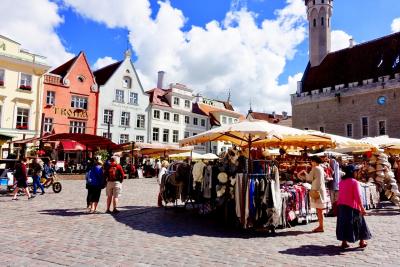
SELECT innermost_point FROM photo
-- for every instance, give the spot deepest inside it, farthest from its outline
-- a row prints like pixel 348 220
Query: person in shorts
pixel 21 177
pixel 115 175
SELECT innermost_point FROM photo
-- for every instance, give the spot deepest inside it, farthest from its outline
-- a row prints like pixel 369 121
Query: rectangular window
pixel 156 114
pixel 77 127
pixel 187 104
pixel 194 134
pixel 48 125
pixel 165 138
pixel 51 98
pixel 166 116
pixel 106 135
pixel 108 116
pixel 306 128
pixel 176 117
pixel 176 101
pixel 203 122
pixel 349 130
pixel 119 96
pixel 156 134
pixel 230 121
pixel 364 126
pixel 125 118
pixel 124 138
pixel 322 129
pixel 140 138
pixel 175 136
pixel 140 120
pixel 133 98
pixel 195 121
pixel 223 120
pixel 2 77
pixel 79 102
pixel 382 127
pixel 186 135
pixel 22 119
pixel 187 120
pixel 26 82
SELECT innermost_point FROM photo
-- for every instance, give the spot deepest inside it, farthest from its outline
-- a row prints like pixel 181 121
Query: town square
pixel 199 132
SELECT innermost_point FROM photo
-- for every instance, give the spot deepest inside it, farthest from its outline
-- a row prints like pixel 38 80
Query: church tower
pixel 319 13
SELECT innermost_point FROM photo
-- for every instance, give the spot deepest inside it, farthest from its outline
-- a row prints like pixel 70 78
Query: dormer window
pixel 126 82
pixel 176 101
pixel 81 78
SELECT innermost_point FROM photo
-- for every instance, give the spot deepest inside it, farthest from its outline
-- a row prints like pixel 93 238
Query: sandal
pixel 344 246
pixel 14 199
pixel 363 245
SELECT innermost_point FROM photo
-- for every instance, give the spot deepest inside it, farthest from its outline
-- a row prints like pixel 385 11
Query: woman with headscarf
pixel 351 225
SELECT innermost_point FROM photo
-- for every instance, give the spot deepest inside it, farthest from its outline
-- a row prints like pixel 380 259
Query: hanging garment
pixel 207 182
pixel 198 171
pixel 277 197
pixel 239 196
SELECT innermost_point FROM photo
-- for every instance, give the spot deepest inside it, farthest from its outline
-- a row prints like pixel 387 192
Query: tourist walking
pixel 36 175
pixel 163 170
pixel 115 175
pixel 21 177
pixel 95 182
pixel 318 190
pixel 351 225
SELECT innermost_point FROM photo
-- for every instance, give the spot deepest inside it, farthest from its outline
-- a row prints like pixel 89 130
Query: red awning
pixel 89 140
pixel 71 146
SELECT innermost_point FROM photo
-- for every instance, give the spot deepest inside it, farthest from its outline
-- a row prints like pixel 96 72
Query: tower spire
pixel 319 13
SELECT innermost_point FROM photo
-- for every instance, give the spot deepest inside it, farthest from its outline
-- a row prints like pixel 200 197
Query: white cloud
pixel 33 24
pixel 340 40
pixel 238 53
pixel 102 62
pixel 396 25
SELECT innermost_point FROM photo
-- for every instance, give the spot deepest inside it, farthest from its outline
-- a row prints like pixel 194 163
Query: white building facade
pixel 122 103
pixel 171 116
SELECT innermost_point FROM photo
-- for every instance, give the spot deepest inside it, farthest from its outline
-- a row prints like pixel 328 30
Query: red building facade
pixel 70 98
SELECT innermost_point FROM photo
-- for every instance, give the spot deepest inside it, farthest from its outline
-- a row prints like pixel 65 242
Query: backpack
pixel 114 174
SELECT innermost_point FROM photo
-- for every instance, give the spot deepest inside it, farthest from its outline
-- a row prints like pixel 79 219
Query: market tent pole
pixel 249 167
pixel 132 156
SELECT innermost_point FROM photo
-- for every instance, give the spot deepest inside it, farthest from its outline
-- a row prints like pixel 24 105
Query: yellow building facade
pixel 21 87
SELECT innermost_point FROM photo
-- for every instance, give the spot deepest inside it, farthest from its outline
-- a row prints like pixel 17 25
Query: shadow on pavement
pixel 316 251
pixel 179 222
pixel 64 212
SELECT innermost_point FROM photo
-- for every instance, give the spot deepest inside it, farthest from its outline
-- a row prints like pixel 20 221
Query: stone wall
pixel 334 112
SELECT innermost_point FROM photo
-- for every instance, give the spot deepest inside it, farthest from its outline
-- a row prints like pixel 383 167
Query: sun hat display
pixel 222 177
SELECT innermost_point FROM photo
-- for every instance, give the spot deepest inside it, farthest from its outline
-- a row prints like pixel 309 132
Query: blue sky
pixel 258 52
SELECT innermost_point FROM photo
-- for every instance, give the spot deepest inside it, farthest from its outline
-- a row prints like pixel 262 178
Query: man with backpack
pixel 115 175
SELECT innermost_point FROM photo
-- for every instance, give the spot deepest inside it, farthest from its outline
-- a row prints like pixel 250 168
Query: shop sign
pixel 70 112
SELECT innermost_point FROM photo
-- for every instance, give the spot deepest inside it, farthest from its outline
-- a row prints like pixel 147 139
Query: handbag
pixel 314 194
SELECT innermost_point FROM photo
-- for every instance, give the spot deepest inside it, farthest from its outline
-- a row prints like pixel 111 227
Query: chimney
pixel 351 42
pixel 160 80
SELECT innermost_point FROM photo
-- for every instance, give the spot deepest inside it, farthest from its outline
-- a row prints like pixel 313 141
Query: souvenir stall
pixel 250 187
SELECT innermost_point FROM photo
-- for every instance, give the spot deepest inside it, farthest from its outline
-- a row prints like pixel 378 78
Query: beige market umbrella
pixel 384 142
pixel 189 154
pixel 346 145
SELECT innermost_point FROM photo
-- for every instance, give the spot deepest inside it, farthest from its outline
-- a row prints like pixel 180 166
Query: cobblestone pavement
pixel 54 229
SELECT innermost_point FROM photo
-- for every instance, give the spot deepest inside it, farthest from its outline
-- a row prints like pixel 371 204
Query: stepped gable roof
pixel 64 68
pixel 157 97
pixel 364 61
pixel 102 75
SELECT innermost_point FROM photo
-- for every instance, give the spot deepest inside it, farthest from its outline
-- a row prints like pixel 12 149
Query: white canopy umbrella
pixel 210 156
pixel 384 142
pixel 345 144
pixel 189 154
pixel 259 133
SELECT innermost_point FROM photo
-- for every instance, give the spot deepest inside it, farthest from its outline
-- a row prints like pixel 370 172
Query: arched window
pixel 322 21
pixel 315 23
pixel 126 82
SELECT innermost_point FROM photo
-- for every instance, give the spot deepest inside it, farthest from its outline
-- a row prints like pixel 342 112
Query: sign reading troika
pixel 69 112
